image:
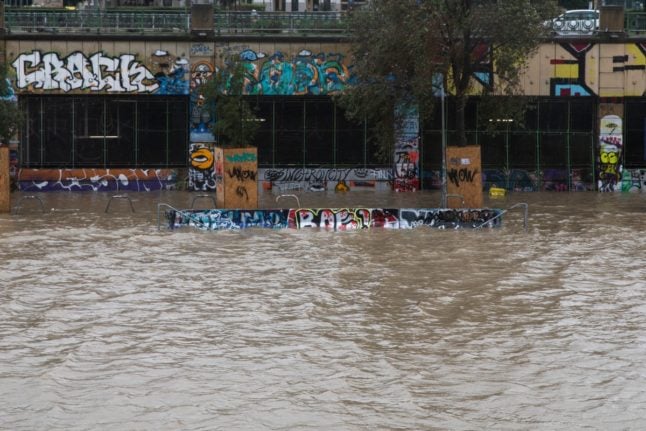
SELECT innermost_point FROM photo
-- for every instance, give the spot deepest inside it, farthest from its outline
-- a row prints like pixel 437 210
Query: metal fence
pixel 111 21
pixel 25 20
pixel 635 23
pixel 79 21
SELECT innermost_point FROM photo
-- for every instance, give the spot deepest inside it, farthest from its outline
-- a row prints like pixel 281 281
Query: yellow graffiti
pixel 202 159
pixel 566 71
pixel 609 157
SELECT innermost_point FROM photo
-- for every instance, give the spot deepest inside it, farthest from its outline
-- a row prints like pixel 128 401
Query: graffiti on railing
pixel 335 219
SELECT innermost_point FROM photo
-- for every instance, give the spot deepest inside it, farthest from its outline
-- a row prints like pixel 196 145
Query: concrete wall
pixel 292 67
pixel 578 68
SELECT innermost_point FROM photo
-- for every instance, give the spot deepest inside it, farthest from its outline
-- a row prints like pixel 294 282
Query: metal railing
pixel 110 21
pixel 123 197
pixel 635 23
pixel 96 21
pixel 186 214
pixel 18 207
pixel 280 22
pixel 204 196
pixel 298 202
pixel 503 212
pixel 23 20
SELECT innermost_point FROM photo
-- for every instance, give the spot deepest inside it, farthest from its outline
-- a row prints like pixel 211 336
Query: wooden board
pixel 5 190
pixel 236 176
pixel 464 176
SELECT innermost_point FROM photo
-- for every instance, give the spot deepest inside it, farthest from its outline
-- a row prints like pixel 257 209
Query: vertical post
pixel 5 202
pixel 508 176
pixel 444 202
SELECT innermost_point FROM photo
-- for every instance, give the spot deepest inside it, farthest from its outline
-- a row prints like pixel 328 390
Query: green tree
pixel 404 50
pixel 11 117
pixel 236 123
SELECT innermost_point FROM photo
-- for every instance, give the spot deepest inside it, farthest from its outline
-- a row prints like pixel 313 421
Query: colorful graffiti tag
pixel 96 179
pixel 569 74
pixel 319 179
pixel 336 219
pixel 201 173
pixel 634 181
pixel 609 161
pixel 407 152
pixel 100 73
pixel 304 73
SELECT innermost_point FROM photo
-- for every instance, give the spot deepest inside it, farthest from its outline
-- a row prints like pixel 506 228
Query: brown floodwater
pixel 108 323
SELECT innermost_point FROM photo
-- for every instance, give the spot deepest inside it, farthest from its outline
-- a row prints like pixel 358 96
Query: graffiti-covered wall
pixel 149 68
pixel 574 68
pixel 99 67
pixel 587 69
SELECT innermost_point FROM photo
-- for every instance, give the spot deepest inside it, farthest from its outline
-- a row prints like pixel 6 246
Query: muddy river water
pixel 108 323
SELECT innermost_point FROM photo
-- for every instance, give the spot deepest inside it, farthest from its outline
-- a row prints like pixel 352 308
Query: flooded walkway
pixel 107 322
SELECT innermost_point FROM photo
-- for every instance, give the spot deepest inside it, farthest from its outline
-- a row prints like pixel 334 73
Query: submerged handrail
pixel 185 213
pixel 523 204
pixel 289 196
pixel 19 206
pixel 204 196
pixel 107 207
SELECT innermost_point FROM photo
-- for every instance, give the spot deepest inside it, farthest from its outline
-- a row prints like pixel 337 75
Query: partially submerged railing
pixel 204 196
pixel 330 218
pixel 160 206
pixel 298 202
pixel 121 197
pixel 18 206
pixel 525 213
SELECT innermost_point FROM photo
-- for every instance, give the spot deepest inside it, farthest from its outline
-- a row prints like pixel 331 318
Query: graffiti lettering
pixel 76 71
pixel 241 191
pixel 242 174
pixel 201 49
pixel 320 175
pixel 96 179
pixel 241 158
pixel 216 219
pixel 335 219
pixel 461 175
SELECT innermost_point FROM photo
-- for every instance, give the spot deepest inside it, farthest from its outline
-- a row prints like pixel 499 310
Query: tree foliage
pixel 405 51
pixel 11 117
pixel 236 123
